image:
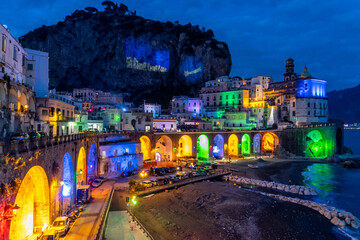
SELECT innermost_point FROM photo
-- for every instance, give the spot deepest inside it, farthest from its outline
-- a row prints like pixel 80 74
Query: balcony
pixel 65 119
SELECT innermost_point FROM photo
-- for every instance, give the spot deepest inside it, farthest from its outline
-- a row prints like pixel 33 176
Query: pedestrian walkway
pixel 87 224
pixel 118 227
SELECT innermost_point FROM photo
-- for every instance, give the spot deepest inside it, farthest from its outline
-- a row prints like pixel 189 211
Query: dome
pixel 305 73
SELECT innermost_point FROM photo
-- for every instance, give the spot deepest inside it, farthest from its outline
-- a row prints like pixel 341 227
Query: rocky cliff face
pixel 119 51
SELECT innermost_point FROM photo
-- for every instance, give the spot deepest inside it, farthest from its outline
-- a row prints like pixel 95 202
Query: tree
pixel 109 5
pixel 91 10
pixel 123 9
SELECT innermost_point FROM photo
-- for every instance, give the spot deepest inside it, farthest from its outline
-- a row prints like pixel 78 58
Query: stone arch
pixel 257 143
pixel 23 101
pixel 233 146
pixel 269 142
pixel 202 148
pixel 68 175
pixel 218 146
pixel 185 146
pixel 34 201
pixel 339 141
pixel 32 104
pixel 81 167
pixel 245 145
pixel 145 147
pixel 2 95
pixel 92 162
pixel 13 99
pixel 315 144
pixel 164 147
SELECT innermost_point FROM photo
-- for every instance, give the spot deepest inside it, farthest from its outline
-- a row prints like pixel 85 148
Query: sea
pixel 337 186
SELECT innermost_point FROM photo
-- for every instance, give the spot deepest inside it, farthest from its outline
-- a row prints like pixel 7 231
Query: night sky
pixel 261 34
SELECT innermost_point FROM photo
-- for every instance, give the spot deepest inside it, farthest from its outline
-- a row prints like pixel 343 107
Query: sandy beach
pixel 219 210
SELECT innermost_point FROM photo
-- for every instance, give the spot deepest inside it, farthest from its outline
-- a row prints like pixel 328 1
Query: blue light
pixel 144 53
pixel 311 88
pixel 124 109
pixel 67 175
pixel 66 190
pixel 191 69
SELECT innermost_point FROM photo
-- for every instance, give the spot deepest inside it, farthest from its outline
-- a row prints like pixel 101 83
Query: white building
pixel 12 56
pixel 38 71
pixel 155 109
pixel 137 121
pixel 185 107
pixel 166 125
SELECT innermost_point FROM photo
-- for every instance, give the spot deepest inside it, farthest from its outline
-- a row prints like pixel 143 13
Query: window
pixel 194 104
pixel 308 106
pixel 293 113
pixel 314 105
pixel 293 104
pixel 112 116
pixel 44 112
pixel 278 101
pixel 227 97
pixel 15 53
pixel 3 44
pixel 308 113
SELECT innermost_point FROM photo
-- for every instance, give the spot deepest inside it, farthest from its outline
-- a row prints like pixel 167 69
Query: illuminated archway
pixel 257 143
pixel 34 202
pixel 202 148
pixel 185 146
pixel 81 167
pixel 145 147
pixel 218 147
pixel 315 144
pixel 164 149
pixel 270 141
pixel 23 101
pixel 245 144
pixel 233 146
pixel 92 162
pixel 68 175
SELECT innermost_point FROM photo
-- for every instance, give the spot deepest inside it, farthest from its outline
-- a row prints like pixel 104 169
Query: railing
pixel 103 217
pixel 140 225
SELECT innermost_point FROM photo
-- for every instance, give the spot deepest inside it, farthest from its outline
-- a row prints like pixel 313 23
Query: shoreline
pixel 217 210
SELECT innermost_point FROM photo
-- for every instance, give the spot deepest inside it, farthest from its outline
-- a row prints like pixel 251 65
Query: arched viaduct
pixel 31 171
pixel 313 141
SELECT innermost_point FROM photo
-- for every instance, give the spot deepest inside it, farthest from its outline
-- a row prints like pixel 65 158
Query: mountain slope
pixel 116 50
pixel 344 104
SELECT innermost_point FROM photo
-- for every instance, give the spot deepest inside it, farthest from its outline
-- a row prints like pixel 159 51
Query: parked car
pixel 97 182
pixel 50 235
pixel 172 169
pixel 20 136
pixel 34 135
pixel 159 171
pixel 43 134
pixel 126 174
pixel 61 225
pixel 194 174
pixel 148 183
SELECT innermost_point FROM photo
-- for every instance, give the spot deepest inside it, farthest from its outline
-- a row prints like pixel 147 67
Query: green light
pixel 316 145
pixel 245 144
pixel 133 200
pixel 202 148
